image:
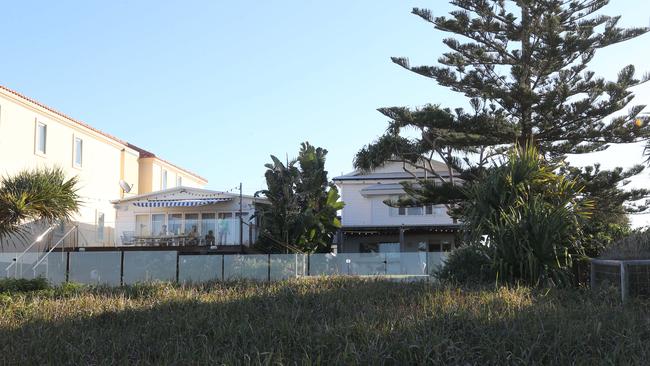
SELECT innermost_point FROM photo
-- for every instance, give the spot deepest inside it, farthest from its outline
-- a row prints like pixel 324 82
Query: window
pixel 414 211
pixel 369 248
pixel 429 210
pixel 388 247
pixel 141 225
pixel 208 224
pixel 442 246
pixel 41 138
pixel 225 215
pixel 174 222
pixel 158 224
pixel 163 179
pixel 244 214
pixel 191 222
pixel 78 152
pixel 179 181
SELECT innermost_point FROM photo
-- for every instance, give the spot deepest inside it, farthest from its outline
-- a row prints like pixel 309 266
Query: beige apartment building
pixel 33 135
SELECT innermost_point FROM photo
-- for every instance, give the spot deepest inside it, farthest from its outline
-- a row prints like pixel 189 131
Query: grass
pixel 320 321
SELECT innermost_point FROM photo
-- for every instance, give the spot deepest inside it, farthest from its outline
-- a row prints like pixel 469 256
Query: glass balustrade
pixel 199 268
pixel 149 266
pixel 95 267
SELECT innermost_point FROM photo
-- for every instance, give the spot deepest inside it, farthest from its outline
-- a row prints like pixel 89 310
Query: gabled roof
pixel 188 193
pixel 61 114
pixel 393 171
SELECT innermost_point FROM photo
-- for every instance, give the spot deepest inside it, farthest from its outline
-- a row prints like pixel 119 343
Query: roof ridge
pixel 61 114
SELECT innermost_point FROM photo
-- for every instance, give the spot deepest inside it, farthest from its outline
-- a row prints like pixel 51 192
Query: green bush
pixel 23 285
pixel 467 264
pixel 531 217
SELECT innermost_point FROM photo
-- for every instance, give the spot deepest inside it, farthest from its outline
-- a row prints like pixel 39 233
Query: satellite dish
pixel 125 186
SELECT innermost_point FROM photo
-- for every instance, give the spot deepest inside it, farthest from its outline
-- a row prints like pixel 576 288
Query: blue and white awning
pixel 180 203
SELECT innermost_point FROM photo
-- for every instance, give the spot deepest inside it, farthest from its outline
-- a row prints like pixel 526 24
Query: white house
pixel 369 225
pixel 185 216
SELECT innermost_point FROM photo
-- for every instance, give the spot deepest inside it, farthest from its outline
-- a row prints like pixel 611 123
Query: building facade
pixel 33 135
pixel 370 225
pixel 169 217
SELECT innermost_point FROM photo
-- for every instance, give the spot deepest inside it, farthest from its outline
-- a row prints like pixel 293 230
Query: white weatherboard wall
pixel 358 209
pixel 371 210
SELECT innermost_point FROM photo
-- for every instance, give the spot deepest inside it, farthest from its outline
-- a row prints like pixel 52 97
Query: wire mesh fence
pixel 630 277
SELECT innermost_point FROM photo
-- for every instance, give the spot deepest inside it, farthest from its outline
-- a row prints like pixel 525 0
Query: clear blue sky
pixel 218 86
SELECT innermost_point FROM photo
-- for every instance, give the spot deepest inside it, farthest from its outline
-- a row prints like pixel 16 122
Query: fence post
pixel 592 271
pixel 308 264
pixel 223 262
pixel 177 259
pixel 67 266
pixel 624 282
pixel 426 265
pixel 122 268
pixel 268 274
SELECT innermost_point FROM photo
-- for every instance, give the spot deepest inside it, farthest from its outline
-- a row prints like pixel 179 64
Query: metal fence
pixel 630 277
pixel 129 267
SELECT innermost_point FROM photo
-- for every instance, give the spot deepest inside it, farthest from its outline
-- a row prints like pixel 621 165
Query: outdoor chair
pixel 128 238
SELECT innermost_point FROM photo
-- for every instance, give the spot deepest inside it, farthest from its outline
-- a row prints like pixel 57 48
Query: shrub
pixel 467 264
pixel 634 246
pixel 531 217
pixel 23 285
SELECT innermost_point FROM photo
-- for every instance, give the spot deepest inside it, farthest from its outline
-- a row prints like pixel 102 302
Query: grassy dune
pixel 320 321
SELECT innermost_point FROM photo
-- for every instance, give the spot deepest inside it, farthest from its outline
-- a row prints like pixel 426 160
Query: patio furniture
pixel 156 240
pixel 128 238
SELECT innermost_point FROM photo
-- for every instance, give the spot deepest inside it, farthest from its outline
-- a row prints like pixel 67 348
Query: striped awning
pixel 180 203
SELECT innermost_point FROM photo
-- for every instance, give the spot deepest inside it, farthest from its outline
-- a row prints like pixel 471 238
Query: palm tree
pixel 31 195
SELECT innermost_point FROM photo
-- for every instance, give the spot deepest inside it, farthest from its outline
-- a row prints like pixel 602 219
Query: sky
pixel 218 86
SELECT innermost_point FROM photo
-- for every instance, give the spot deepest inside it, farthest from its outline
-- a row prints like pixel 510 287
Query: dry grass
pixel 321 321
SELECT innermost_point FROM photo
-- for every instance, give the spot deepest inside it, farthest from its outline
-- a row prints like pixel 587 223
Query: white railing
pixel 17 260
pixel 60 241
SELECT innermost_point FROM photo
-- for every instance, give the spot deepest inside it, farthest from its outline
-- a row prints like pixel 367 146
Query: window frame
pixel 164 221
pixel 75 149
pixel 37 139
pixel 138 230
pixel 163 178
pixel 182 222
pixel 186 230
pixel 214 223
